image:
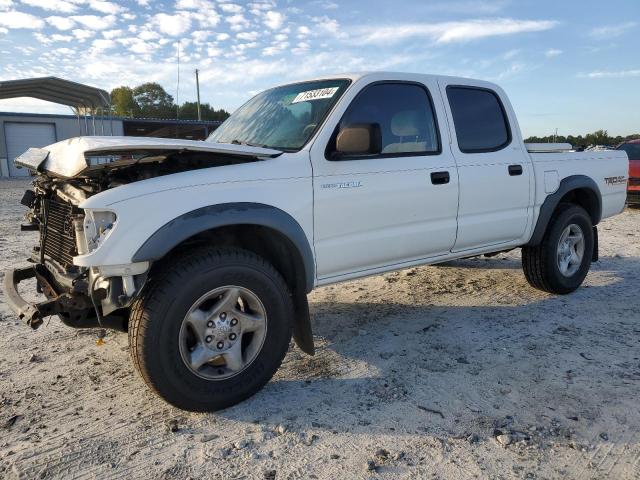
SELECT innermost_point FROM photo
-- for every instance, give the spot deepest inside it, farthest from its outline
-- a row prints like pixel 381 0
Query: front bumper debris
pixel 34 313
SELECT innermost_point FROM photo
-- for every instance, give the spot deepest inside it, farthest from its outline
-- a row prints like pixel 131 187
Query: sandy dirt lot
pixel 456 371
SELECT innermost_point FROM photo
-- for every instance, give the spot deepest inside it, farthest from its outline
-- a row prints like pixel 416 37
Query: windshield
pixel 283 118
pixel 632 149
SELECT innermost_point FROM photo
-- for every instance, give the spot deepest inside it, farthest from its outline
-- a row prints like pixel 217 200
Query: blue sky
pixel 571 65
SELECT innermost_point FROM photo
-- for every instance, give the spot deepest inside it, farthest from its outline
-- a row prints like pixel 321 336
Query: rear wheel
pixel 562 260
pixel 212 328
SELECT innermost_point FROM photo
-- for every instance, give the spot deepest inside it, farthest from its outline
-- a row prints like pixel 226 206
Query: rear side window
pixel 479 118
pixel 632 149
pixel 404 113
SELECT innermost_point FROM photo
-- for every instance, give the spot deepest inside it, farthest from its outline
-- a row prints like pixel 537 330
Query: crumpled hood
pixel 68 158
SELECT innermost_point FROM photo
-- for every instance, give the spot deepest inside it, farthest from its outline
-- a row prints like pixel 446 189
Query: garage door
pixel 21 136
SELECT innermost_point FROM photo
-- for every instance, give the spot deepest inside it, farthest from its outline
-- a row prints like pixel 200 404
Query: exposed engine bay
pixel 93 297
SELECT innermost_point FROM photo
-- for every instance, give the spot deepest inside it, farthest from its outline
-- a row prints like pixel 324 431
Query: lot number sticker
pixel 315 94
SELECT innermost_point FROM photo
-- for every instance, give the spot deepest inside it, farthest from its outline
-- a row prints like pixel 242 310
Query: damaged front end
pixel 95 296
pixel 82 297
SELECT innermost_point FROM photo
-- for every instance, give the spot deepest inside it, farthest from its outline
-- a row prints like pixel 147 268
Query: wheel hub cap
pixel 223 332
pixel 570 251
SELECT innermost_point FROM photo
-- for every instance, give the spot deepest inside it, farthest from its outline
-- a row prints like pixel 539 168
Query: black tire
pixel 540 263
pixel 157 316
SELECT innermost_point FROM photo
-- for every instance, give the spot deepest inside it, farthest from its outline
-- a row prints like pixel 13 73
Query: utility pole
pixel 198 92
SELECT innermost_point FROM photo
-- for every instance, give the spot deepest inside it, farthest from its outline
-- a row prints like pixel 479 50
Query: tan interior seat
pixel 406 125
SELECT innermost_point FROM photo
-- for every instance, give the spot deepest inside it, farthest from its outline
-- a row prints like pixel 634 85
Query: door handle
pixel 439 178
pixel 515 170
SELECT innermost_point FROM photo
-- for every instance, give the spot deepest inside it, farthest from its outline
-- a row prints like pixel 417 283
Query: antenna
pixel 178 94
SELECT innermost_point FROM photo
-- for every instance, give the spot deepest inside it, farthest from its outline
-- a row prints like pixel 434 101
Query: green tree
pixel 189 111
pixel 599 137
pixel 123 103
pixel 153 101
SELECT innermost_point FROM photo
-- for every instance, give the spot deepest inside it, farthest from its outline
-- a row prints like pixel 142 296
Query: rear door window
pixel 479 118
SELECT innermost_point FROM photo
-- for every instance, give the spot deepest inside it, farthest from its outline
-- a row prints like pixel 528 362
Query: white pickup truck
pixel 205 251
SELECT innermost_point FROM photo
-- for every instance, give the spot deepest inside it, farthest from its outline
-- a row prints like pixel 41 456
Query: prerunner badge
pixel 315 94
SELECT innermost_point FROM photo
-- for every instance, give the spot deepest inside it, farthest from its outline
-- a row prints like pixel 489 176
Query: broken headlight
pixel 97 224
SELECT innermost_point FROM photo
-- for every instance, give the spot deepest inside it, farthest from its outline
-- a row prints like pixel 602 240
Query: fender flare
pixel 567 185
pixel 202 219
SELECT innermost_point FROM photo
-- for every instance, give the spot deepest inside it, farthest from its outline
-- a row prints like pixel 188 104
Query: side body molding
pixel 568 184
pixel 206 218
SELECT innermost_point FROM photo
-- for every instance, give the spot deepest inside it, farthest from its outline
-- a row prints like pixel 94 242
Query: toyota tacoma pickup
pixel 204 252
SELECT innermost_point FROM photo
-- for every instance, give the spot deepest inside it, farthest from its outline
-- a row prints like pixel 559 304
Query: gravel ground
pixel 456 371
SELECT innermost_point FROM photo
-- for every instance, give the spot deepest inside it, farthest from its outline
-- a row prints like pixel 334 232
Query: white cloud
pixel 61 23
pixel 221 37
pixel 612 74
pixel 231 8
pixel 174 25
pixel 275 48
pixel 141 47
pixel 101 44
pixel 302 47
pixel 13 20
pixel 303 31
pixel 214 51
pixel 326 25
pixel 5 4
pixel 206 18
pixel 61 6
pixel 552 52
pixel 56 37
pixel 95 22
pixel 258 8
pixel 106 7
pixel 82 34
pixel 237 22
pixel 248 36
pixel 65 51
pixel 111 34
pixel 328 5
pixel 200 36
pixel 3 31
pixel 611 31
pixel 194 5
pixel 450 32
pixel 149 35
pixel 273 19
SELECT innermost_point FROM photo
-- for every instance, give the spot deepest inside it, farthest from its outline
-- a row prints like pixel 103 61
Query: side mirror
pixel 359 139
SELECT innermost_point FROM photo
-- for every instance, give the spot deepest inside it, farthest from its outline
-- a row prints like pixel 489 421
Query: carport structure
pixel 83 99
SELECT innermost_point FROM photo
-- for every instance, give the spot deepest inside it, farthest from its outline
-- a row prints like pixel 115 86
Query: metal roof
pixel 56 90
pixel 171 121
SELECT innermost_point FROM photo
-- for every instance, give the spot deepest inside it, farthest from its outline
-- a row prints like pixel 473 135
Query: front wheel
pixel 212 328
pixel 562 260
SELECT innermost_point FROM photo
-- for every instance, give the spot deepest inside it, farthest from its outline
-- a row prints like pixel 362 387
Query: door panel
pixel 493 204
pixel 374 212
pixel 494 183
pixel 368 217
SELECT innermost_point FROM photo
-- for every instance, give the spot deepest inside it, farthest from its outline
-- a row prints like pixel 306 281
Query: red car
pixel 632 147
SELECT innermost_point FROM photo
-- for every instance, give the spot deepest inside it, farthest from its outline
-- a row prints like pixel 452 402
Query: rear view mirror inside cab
pixel 358 139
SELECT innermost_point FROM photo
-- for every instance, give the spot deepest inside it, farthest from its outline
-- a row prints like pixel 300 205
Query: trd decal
pixel 615 180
